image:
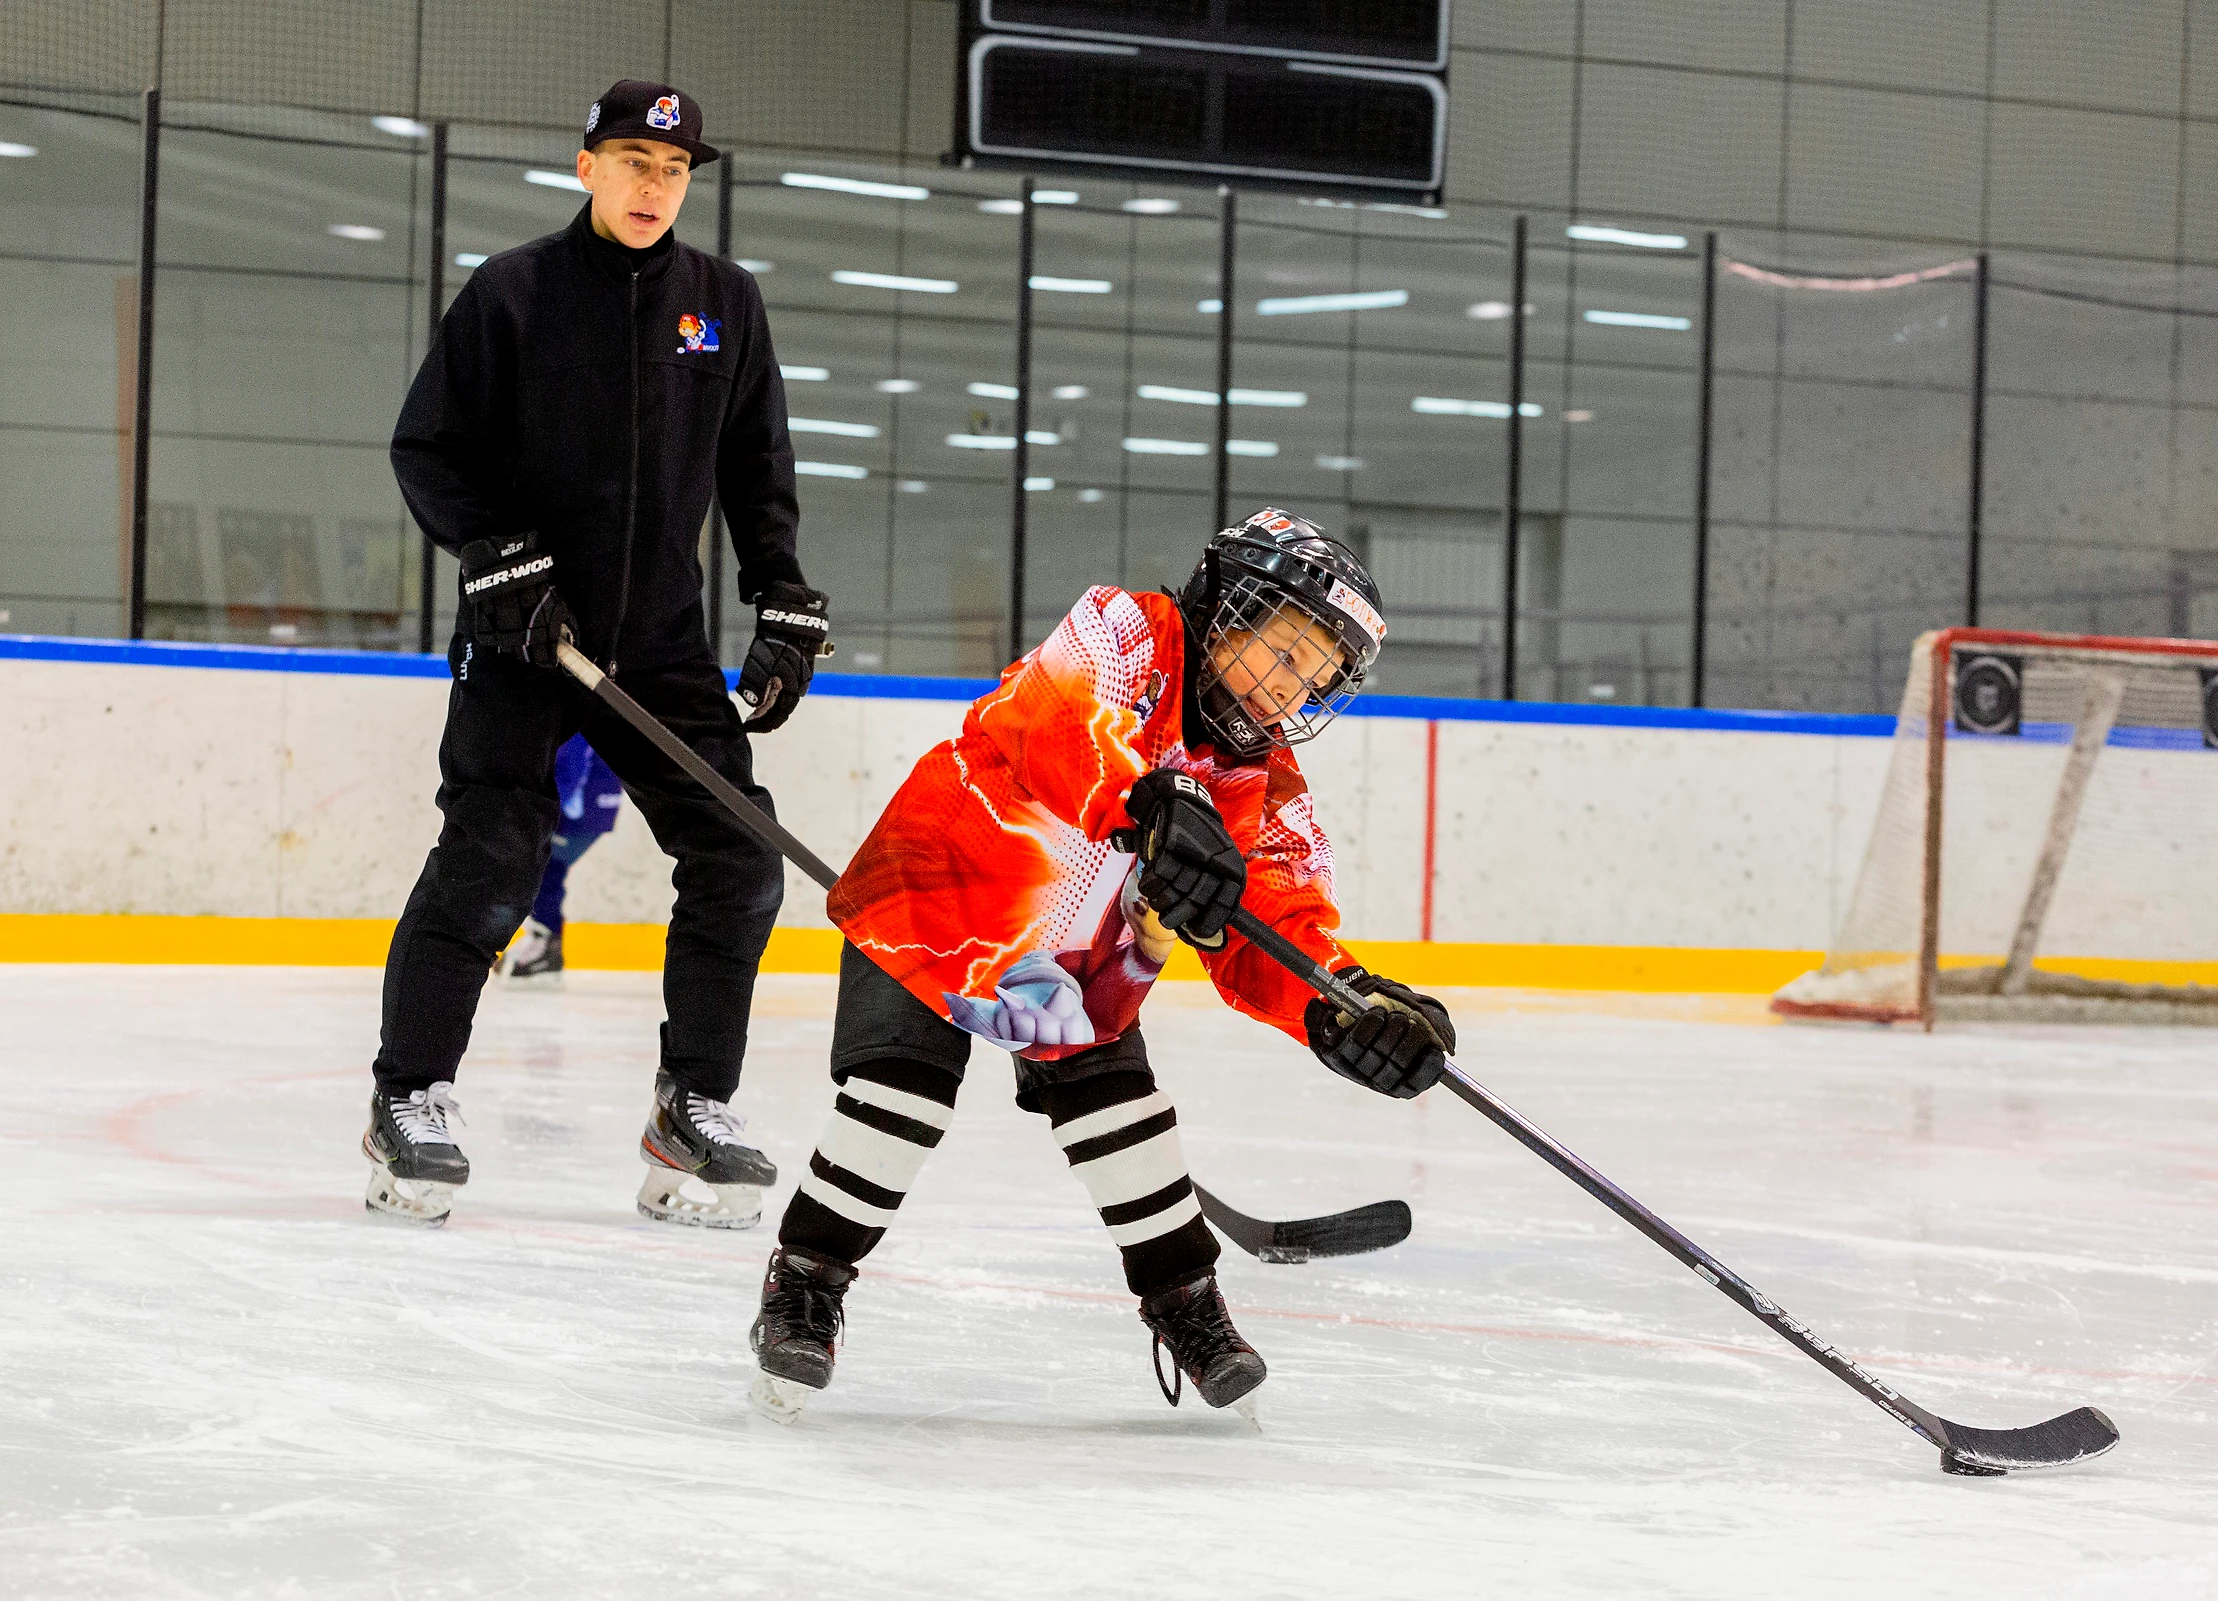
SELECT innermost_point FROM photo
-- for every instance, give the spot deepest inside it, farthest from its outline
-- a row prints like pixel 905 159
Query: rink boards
pixel 187 803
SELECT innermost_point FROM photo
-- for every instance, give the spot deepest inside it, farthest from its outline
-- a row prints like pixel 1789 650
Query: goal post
pixel 2046 841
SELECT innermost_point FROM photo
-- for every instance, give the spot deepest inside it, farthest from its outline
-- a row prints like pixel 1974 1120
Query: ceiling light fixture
pixel 555 180
pixel 829 469
pixel 1639 319
pixel 360 231
pixel 1071 286
pixel 823 425
pixel 803 375
pixel 400 127
pixel 855 186
pixel 1151 206
pixel 897 386
pixel 1626 236
pixel 1300 305
pixel 894 280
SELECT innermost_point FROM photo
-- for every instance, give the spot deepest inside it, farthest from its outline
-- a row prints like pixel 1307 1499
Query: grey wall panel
pixel 1547 26
pixel 1884 163
pixel 1678 144
pixel 2083 180
pixel 1509 130
pixel 529 61
pixel 359 57
pixel 2124 54
pixel 1736 35
pixel 2202 58
pixel 1913 44
pixel 2199 218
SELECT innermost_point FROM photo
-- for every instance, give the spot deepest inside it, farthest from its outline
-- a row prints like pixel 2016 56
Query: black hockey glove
pixel 792 627
pixel 509 598
pixel 1191 872
pixel 1398 1048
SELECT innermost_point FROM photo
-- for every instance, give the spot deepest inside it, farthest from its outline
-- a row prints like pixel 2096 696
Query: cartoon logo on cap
pixel 699 334
pixel 593 117
pixel 665 113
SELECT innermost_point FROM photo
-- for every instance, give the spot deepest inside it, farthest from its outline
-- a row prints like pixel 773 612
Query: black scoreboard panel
pixel 1409 33
pixel 1337 94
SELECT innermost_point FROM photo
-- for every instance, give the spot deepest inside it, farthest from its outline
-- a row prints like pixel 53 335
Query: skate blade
pixel 664 1198
pixel 421 1203
pixel 1246 1407
pixel 779 1400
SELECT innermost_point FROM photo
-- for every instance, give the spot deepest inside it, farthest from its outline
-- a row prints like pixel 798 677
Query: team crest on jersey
pixel 1151 696
pixel 697 333
pixel 664 113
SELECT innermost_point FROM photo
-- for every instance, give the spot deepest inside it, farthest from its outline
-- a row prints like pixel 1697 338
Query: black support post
pixel 1228 219
pixel 1023 452
pixel 1705 413
pixel 427 579
pixel 142 399
pixel 716 506
pixel 1513 478
pixel 1975 510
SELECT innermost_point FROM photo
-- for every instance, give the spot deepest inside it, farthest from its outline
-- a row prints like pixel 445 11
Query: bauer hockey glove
pixel 508 588
pixel 792 628
pixel 1191 871
pixel 1399 1047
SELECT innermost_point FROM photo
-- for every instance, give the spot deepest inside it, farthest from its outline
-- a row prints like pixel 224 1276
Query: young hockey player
pixel 590 796
pixel 1130 779
pixel 585 396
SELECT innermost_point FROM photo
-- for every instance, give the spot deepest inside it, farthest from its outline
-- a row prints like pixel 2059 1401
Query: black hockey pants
pixel 505 721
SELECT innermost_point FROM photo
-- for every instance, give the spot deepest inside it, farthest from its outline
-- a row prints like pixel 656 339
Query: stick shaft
pixel 1577 1169
pixel 580 666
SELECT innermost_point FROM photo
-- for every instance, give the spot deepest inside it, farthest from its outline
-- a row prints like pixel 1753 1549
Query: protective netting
pixel 2076 785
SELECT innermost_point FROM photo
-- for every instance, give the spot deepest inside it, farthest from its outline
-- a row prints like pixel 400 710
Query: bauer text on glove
pixel 792 628
pixel 509 604
pixel 1398 1047
pixel 1191 872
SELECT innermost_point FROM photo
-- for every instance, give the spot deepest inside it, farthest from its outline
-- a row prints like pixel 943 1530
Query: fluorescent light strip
pixel 470 258
pixel 803 375
pixel 1209 308
pixel 1208 397
pixel 555 180
pixel 891 280
pixel 1251 447
pixel 1298 305
pixel 854 186
pixel 1039 485
pixel 1639 319
pixel 993 391
pixel 1055 197
pixel 1151 206
pixel 400 127
pixel 821 425
pixel 1036 436
pixel 1626 236
pixel 361 231
pixel 758 268
pixel 19 152
pixel 1166 447
pixel 1072 286
pixel 829 469
pixel 1439 406
pixel 897 386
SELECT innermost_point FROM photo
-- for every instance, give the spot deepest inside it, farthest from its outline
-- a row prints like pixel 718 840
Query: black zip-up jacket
pixel 598 395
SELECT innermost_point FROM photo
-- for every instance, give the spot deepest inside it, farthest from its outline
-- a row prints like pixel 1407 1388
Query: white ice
pixel 219 1378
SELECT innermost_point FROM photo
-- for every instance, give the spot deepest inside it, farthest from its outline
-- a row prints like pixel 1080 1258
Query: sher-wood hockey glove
pixel 792 627
pixel 508 588
pixel 1399 1047
pixel 1191 872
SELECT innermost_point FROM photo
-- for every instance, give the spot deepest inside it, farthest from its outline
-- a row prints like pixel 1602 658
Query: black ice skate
pixel 411 1148
pixel 691 1136
pixel 796 1334
pixel 1190 1320
pixel 535 952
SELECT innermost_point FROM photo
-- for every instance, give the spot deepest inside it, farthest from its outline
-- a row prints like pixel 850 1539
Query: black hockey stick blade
pixel 1988 1453
pixel 2073 1437
pixel 1366 1228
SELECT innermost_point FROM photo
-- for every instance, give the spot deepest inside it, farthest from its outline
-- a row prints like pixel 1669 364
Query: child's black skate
pixel 796 1334
pixel 417 1165
pixel 1189 1319
pixel 691 1136
pixel 535 952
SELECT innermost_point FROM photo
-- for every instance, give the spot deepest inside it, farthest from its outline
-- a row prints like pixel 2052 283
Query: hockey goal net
pixel 2046 844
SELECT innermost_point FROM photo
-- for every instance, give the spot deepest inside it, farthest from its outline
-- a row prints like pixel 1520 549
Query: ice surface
pixel 222 1380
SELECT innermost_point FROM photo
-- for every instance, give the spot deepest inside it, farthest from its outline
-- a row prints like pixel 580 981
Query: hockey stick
pixel 1367 1228
pixel 1984 1452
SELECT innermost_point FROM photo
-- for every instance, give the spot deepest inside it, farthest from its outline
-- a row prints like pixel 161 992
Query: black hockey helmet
pixel 1270 564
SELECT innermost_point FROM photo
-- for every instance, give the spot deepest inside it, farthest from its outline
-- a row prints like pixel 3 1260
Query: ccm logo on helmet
pixel 506 574
pixel 1366 616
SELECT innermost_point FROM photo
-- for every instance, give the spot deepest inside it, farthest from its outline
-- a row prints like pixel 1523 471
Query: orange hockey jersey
pixel 989 887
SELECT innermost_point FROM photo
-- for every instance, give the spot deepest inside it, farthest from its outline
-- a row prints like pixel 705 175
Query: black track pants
pixel 505 721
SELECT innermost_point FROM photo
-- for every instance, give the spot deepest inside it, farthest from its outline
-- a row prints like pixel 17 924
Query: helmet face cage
pixel 1253 583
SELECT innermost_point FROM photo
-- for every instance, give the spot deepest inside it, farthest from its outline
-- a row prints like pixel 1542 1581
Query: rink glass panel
pixel 288 324
pixel 69 289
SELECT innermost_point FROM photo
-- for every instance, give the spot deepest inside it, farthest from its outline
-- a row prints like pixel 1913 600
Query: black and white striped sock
pixel 1121 1135
pixel 889 1116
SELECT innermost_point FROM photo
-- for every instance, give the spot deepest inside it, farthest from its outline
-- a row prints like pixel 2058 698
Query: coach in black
pixel 585 395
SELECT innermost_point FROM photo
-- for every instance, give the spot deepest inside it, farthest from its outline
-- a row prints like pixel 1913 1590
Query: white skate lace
pixel 424 1115
pixel 716 1119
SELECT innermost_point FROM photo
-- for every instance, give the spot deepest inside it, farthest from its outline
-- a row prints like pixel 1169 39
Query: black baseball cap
pixel 636 109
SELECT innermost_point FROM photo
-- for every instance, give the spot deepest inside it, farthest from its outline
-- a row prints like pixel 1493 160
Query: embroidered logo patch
pixel 698 334
pixel 665 113
pixel 593 117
